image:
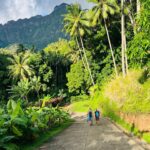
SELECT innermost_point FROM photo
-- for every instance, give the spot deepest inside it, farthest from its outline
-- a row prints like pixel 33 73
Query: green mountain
pixel 37 30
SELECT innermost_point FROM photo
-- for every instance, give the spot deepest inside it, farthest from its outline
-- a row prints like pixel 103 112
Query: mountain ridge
pixel 38 30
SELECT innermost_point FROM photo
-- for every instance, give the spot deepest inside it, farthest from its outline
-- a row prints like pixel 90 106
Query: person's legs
pixel 97 120
pixel 90 121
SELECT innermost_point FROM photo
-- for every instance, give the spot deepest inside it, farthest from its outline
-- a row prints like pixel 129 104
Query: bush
pixel 129 94
pixel 17 124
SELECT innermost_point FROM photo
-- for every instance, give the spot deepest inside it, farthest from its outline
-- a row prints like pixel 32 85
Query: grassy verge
pixel 146 137
pixel 83 106
pixel 46 136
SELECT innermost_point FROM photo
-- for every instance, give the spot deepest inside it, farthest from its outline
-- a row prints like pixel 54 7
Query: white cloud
pixel 16 9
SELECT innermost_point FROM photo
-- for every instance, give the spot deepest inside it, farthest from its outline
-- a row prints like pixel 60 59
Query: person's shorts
pixel 89 118
pixel 97 118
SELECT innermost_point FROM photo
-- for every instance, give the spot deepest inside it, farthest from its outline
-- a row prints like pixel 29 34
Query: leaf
pixel 20 121
pixel 16 131
pixel 17 111
pixel 3 131
pixel 11 105
pixel 11 146
pixel 6 139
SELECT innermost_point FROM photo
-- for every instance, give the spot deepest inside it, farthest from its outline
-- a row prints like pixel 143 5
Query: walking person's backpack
pixel 97 114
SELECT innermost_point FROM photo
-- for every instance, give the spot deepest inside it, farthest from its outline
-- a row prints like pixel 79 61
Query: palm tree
pixel 138 6
pixel 36 85
pixel 19 68
pixel 101 11
pixel 123 39
pixel 76 24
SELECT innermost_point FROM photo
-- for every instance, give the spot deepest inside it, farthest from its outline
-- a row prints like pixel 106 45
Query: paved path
pixel 80 136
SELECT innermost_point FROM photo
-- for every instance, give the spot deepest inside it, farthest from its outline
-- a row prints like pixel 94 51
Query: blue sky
pixel 16 9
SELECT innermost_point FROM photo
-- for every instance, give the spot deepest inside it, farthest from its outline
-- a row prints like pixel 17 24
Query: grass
pixel 83 106
pixel 146 137
pixel 46 136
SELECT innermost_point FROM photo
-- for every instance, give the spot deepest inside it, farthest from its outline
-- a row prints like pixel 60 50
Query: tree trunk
pixel 123 37
pixel 86 61
pixel 138 6
pixel 81 53
pixel 38 95
pixel 126 58
pixel 131 17
pixel 112 53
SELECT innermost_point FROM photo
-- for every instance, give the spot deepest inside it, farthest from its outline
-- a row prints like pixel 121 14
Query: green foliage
pixel 138 48
pixel 82 103
pixel 20 90
pixel 20 68
pixel 79 98
pixel 75 20
pixel 146 137
pixel 78 78
pixel 33 74
pixel 60 47
pixel 103 9
pixel 130 95
pixel 19 125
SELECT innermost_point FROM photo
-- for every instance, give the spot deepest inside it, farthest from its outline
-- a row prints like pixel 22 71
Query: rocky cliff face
pixel 37 30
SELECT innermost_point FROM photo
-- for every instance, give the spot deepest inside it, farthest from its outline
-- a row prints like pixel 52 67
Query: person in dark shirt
pixel 90 117
pixel 97 116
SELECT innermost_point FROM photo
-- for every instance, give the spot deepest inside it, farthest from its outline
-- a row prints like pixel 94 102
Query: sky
pixel 19 9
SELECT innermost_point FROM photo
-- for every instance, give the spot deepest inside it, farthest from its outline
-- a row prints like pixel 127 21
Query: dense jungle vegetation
pixel 105 64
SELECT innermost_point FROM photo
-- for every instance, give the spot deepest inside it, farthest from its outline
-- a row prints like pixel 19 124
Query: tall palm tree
pixel 123 39
pixel 19 68
pixel 76 24
pixel 100 11
pixel 138 6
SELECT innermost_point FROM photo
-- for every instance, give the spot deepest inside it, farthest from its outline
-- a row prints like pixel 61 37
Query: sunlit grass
pixel 83 106
pixel 146 137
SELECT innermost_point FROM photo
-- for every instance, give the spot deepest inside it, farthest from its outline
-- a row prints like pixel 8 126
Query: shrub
pixel 17 124
pixel 129 94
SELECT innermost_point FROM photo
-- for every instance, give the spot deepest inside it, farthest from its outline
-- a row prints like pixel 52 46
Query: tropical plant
pixel 76 24
pixel 78 81
pixel 21 90
pixel 36 85
pixel 19 125
pixel 20 68
pixel 101 11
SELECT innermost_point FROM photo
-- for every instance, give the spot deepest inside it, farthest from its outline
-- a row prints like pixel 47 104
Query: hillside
pixel 37 30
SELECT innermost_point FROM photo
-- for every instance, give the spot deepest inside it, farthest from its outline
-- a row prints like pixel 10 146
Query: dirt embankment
pixel 141 121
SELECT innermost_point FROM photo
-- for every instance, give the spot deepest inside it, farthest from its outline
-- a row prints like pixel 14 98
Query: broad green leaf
pixel 16 131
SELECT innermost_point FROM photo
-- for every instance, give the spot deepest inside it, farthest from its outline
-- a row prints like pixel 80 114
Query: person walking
pixel 90 117
pixel 97 116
